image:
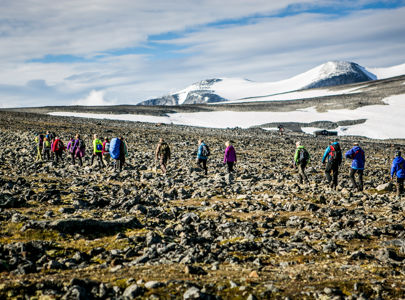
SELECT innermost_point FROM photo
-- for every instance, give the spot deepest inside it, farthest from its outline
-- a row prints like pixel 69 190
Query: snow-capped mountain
pixel 237 90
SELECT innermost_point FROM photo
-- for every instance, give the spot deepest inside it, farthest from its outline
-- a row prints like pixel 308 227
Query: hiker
pixel 229 156
pixel 333 159
pixel 123 152
pixel 106 151
pixel 57 148
pixel 162 154
pixel 51 138
pixel 46 150
pixel 97 151
pixel 359 158
pixel 280 129
pixel 398 170
pixel 202 155
pixel 301 160
pixel 70 149
pixel 79 149
pixel 39 140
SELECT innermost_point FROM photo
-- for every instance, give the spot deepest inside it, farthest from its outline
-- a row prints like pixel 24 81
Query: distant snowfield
pixel 305 94
pixel 383 121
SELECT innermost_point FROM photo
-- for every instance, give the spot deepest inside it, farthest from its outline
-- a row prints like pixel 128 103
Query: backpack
pixel 334 153
pixel 303 156
pixel 59 145
pixel 205 151
pixel 107 147
pixel 99 147
pixel 47 144
pixel 164 150
pixel 41 140
pixel 115 148
pixel 81 144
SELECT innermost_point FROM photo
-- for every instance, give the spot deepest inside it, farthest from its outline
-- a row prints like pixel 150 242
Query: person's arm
pixel 349 154
pixel 226 155
pixel 296 156
pixel 157 152
pixel 325 154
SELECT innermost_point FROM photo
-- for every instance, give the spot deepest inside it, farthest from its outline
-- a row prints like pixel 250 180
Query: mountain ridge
pixel 223 90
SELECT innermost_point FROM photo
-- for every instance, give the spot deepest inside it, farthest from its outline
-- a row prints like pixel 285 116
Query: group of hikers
pixel 51 146
pixel 332 159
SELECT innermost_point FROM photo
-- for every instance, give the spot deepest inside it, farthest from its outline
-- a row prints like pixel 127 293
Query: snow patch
pixel 382 121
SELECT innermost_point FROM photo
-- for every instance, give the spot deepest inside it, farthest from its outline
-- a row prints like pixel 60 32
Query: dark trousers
pixel 72 156
pixel 204 164
pixel 230 165
pixel 47 154
pixel 58 155
pixel 332 168
pixel 301 173
pixel 400 186
pixel 99 157
pixel 358 186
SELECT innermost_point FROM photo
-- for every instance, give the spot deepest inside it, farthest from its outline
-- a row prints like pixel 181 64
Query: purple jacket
pixel 69 146
pixel 78 152
pixel 230 154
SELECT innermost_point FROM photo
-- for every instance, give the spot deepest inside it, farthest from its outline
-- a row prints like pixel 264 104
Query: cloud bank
pixel 129 51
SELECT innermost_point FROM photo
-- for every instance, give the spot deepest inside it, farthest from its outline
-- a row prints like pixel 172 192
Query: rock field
pixel 75 232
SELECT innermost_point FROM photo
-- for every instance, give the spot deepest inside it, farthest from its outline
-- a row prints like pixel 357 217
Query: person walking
pixel 123 152
pixel 202 155
pixel 57 149
pixel 79 149
pixel 97 151
pixel 230 156
pixel 39 140
pixel 70 149
pixel 162 154
pixel 333 159
pixel 106 151
pixel 398 170
pixel 46 150
pixel 358 160
pixel 301 160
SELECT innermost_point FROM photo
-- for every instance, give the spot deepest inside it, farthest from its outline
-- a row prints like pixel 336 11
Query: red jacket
pixel 57 145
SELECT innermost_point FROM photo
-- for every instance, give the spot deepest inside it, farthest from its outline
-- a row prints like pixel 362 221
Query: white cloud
pixel 95 98
pixel 267 49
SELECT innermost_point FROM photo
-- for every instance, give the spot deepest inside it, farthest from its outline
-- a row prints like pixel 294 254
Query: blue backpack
pixel 115 148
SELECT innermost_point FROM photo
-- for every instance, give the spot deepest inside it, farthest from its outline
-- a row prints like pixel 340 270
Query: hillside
pixel 233 89
pixel 83 233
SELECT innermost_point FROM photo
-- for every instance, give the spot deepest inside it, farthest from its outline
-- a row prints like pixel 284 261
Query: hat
pixel 398 153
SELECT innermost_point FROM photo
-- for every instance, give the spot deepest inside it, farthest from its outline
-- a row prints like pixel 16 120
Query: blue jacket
pixel 398 167
pixel 328 157
pixel 357 154
pixel 199 153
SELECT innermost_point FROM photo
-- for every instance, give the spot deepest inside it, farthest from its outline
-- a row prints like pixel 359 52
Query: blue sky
pixel 111 52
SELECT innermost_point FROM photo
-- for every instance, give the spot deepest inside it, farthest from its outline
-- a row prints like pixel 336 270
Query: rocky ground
pixel 81 233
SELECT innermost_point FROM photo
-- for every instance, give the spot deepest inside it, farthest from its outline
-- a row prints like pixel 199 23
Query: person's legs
pixel 92 159
pixel 400 186
pixel 163 165
pixel 204 163
pixel 360 186
pixel 328 170
pixel 230 166
pixel 335 170
pixel 100 159
pixel 301 172
pixel 72 155
pixel 353 181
